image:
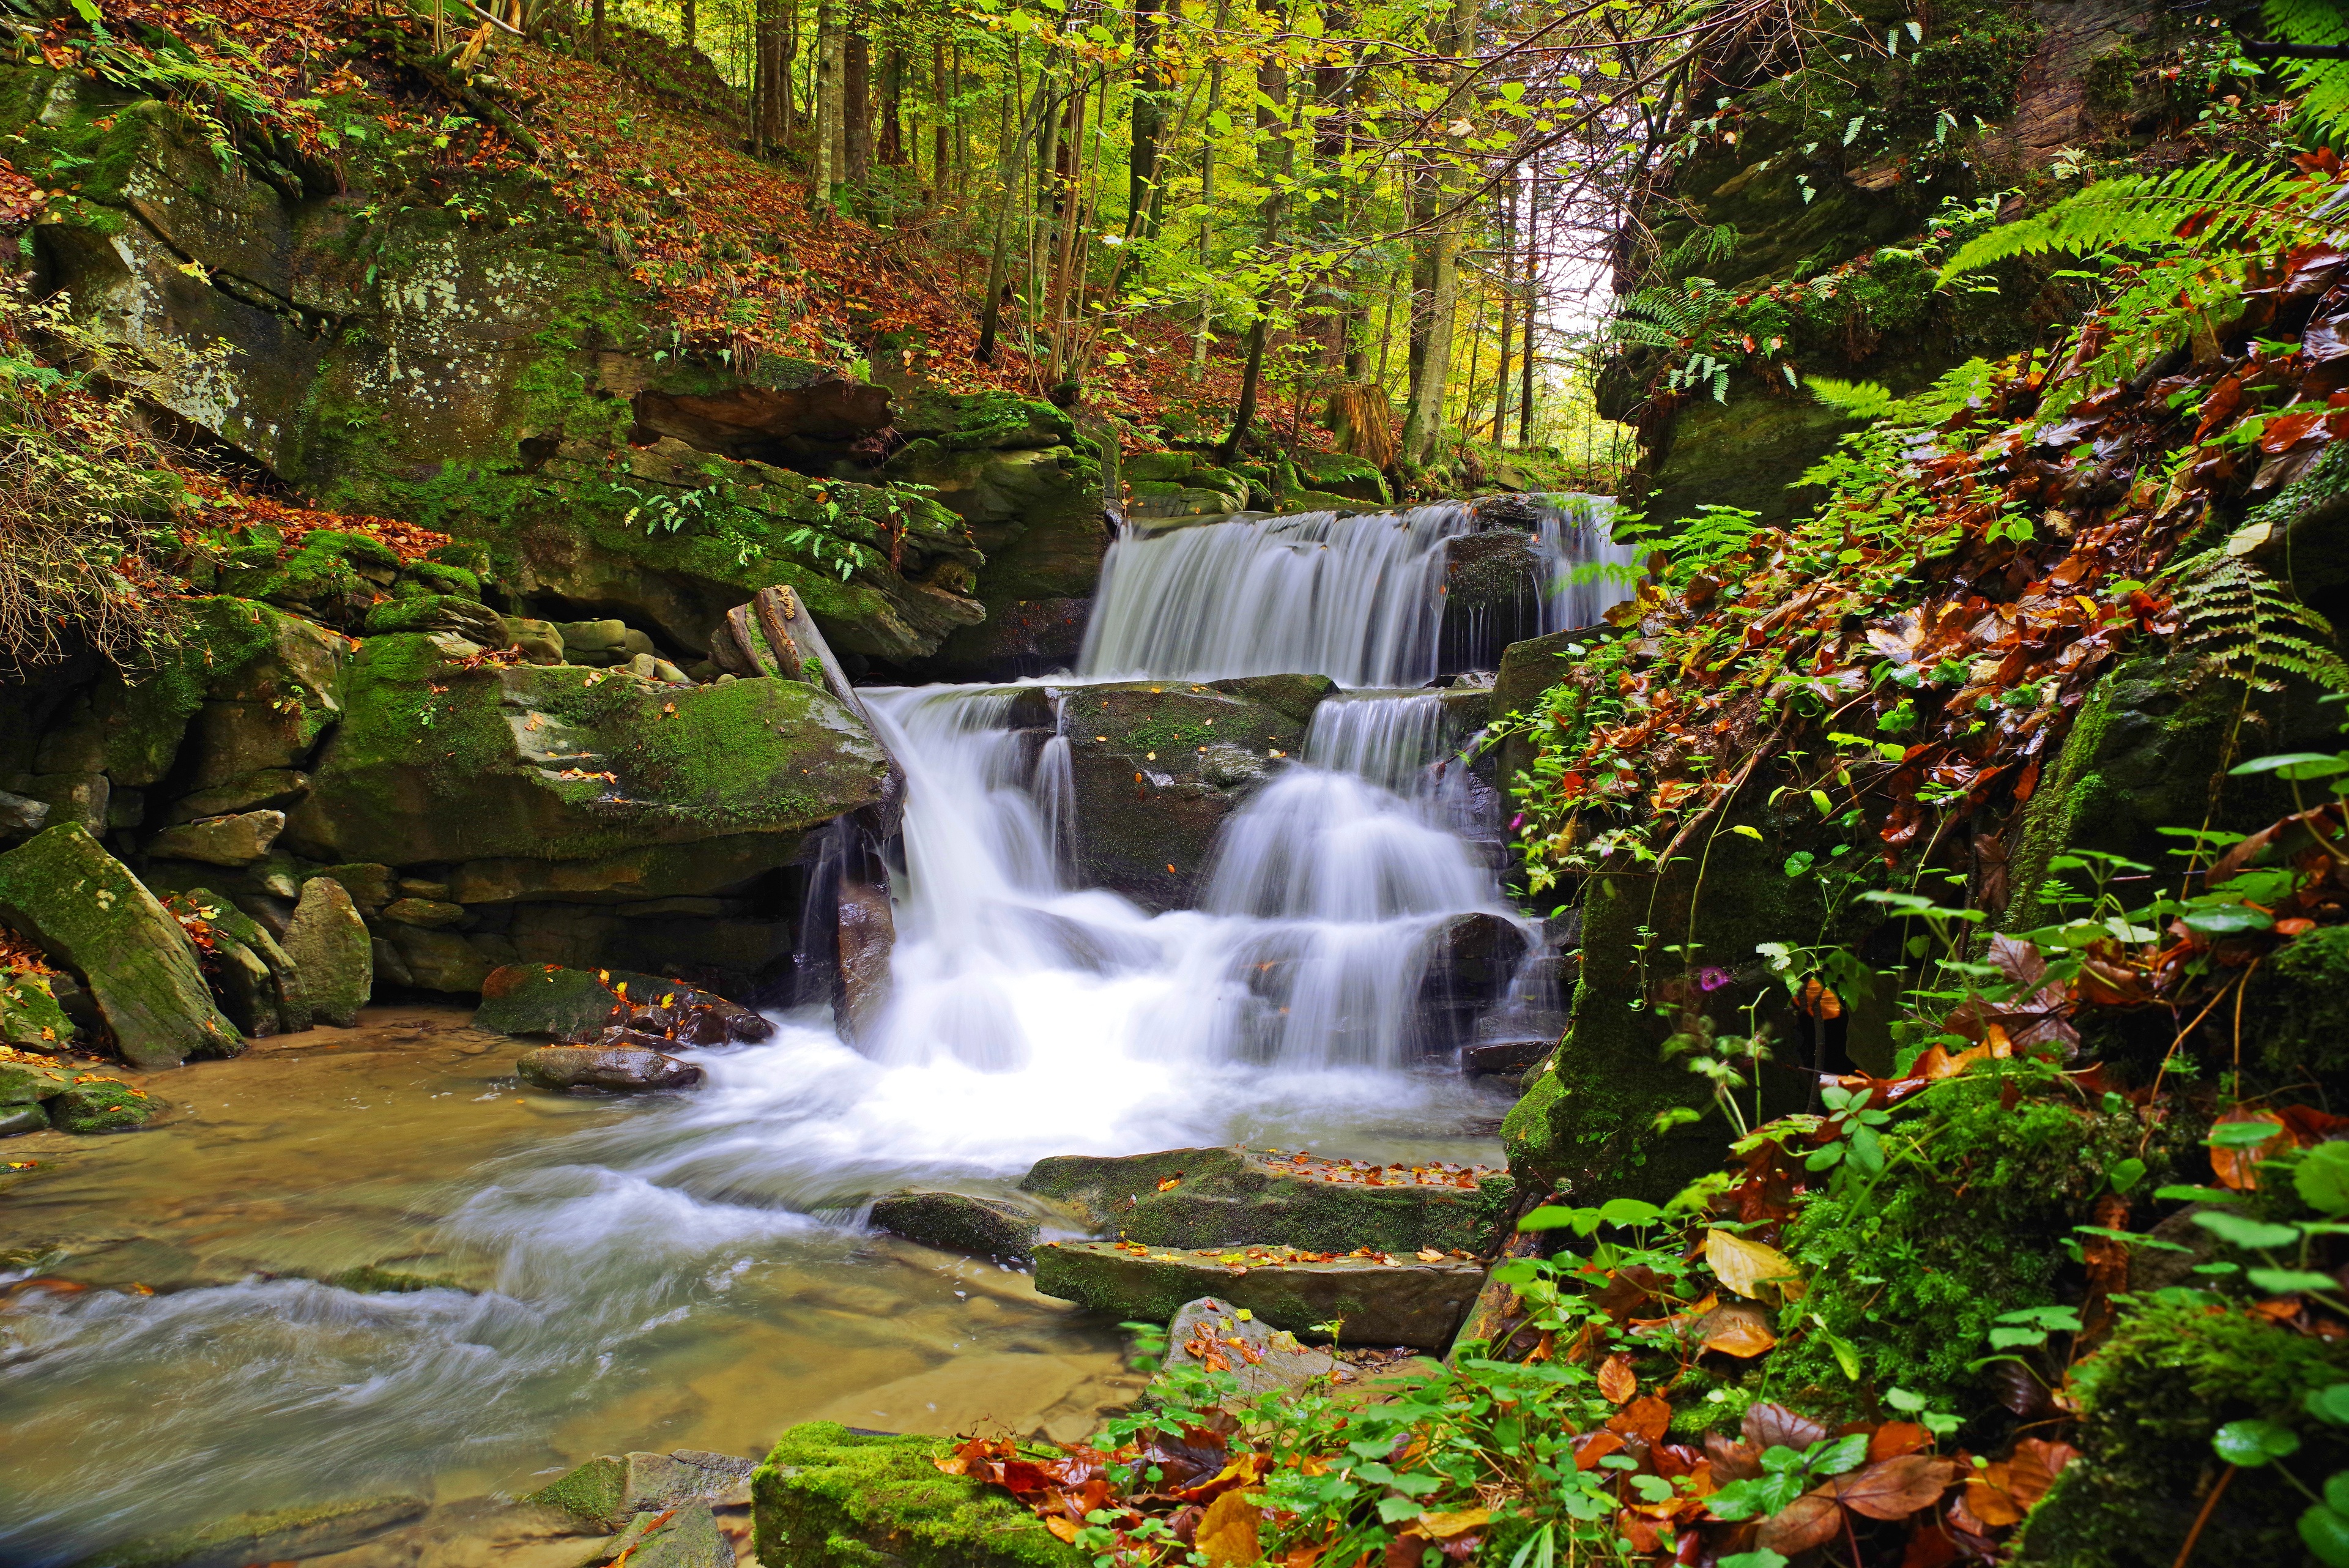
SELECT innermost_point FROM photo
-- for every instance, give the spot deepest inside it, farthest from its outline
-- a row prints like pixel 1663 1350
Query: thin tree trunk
pixel 787 100
pixel 938 174
pixel 597 12
pixel 686 19
pixel 1014 152
pixel 824 166
pixel 1424 422
pixel 1272 88
pixel 1532 309
pixel 857 105
pixel 1501 386
pixel 1149 116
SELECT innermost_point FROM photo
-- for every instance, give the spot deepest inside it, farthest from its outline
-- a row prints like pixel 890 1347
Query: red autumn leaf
pixel 1895 1438
pixel 2288 431
pixel 1894 1488
pixel 1811 1520
pixel 1647 1417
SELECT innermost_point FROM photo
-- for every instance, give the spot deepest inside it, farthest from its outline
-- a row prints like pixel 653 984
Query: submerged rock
pixel 620 1069
pixel 607 1491
pixel 87 911
pixel 1207 1197
pixel 685 1536
pixel 827 1496
pixel 958 1222
pixel 1374 1300
pixel 285 1535
pixel 101 1106
pixel 1213 1334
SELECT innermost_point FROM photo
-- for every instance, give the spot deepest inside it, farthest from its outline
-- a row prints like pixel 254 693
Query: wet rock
pixel 101 1106
pixel 1342 476
pixel 535 763
pixel 14 1120
pixel 31 1016
pixel 1376 1301
pixel 432 914
pixel 308 1530
pixel 1147 805
pixel 1018 640
pixel 278 787
pixel 867 936
pixel 22 813
pixel 1202 1197
pixel 827 1496
pixel 958 1222
pixel 683 1537
pixel 87 912
pixel 29 1083
pixel 550 1001
pixel 442 960
pixel 1471 960
pixel 607 1491
pixel 332 960
pixel 1292 696
pixel 1211 1333
pixel 1495 583
pixel 231 841
pixel 613 1069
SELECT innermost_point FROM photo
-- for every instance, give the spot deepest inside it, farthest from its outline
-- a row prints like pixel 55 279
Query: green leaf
pixel 1392 1508
pixel 2225 919
pixel 2126 1175
pixel 2253 1442
pixel 1760 1557
pixel 2237 1231
pixel 2322 1177
pixel 1844 1453
pixel 2330 1403
pixel 2175 1194
pixel 2241 1134
pixel 2287 762
pixel 2323 1530
pixel 1753 833
pixel 1551 1217
pixel 2286 1282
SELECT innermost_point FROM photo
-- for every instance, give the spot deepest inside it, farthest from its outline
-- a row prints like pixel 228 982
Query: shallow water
pixel 655 1273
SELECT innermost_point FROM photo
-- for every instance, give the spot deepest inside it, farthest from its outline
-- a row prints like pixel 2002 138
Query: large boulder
pixel 334 961
pixel 241 840
pixel 1376 1300
pixel 88 913
pixel 274 689
pixel 1157 766
pixel 439 763
pixel 1208 1197
pixel 269 997
pixel 548 1001
pixel 612 1069
pixel 828 1497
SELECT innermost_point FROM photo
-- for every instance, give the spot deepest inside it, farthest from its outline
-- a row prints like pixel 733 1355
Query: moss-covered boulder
pixel 548 1001
pixel 1208 1197
pixel 90 914
pixel 1376 1300
pixel 273 688
pixel 437 762
pixel 1152 784
pixel 30 1016
pixel 334 962
pixel 1343 476
pixel 958 1222
pixel 266 994
pixel 606 1491
pixel 830 1498
pixel 96 1105
pixel 285 1535
pixel 2150 1399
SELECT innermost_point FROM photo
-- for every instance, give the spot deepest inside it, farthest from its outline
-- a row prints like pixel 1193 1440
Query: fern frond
pixel 2243 625
pixel 1854 400
pixel 2220 205
pixel 2322 85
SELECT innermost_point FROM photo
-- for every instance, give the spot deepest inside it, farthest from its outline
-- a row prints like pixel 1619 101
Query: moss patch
pixel 830 1498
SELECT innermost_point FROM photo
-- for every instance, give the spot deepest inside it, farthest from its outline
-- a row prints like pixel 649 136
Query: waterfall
pixel 1359 598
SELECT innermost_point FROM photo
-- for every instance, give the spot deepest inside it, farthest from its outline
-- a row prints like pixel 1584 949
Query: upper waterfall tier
pixel 1359 599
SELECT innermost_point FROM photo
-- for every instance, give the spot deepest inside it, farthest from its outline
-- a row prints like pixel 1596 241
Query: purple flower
pixel 1710 978
pixel 1516 822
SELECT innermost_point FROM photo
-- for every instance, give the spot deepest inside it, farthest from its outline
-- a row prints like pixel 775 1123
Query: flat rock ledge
pixel 1377 1300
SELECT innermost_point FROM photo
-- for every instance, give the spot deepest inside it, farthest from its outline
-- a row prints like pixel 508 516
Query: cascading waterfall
pixel 1359 598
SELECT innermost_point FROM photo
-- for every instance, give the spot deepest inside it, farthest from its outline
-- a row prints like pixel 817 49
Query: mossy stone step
pixel 1376 1300
pixel 828 1497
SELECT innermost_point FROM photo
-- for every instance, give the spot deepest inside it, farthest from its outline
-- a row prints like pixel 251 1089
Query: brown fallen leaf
pixel 1895 1488
pixel 1897 1438
pixel 1647 1417
pixel 1616 1380
pixel 1746 1266
pixel 1227 1531
pixel 1811 1520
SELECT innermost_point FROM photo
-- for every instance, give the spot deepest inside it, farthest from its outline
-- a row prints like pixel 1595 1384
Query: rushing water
pixel 687 1270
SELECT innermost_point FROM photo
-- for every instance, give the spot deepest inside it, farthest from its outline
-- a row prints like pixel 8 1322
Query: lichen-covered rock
pixel 958 1222
pixel 273 688
pixel 606 1491
pixel 90 914
pixel 101 1106
pixel 1147 810
pixel 257 979
pixel 436 763
pixel 616 1069
pixel 826 1497
pixel 332 957
pixel 30 1016
pixel 1376 1301
pixel 1207 1197
pixel 285 1535
pixel 231 841
pixel 268 787
pixel 1214 1335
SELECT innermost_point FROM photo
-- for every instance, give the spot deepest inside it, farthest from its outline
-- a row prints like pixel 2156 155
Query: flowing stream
pixel 690 1270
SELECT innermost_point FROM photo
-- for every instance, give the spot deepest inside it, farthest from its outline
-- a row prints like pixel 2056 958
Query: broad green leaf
pixel 2330 1403
pixel 2323 1530
pixel 2241 1134
pixel 2287 1282
pixel 2322 1177
pixel 2253 1442
pixel 2237 1231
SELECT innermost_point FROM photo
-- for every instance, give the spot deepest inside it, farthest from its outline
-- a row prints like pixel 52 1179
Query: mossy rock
pixel 29 1013
pixel 1342 475
pixel 958 1222
pixel 101 1106
pixel 1208 1197
pixel 464 617
pixel 2170 1376
pixel 439 763
pixel 971 421
pixel 90 914
pixel 334 576
pixel 1406 1302
pixel 830 1498
pixel 549 1001
pixel 29 1083
pixel 2297 1019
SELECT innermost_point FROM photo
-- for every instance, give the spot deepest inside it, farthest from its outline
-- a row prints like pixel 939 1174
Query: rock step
pixel 1377 1300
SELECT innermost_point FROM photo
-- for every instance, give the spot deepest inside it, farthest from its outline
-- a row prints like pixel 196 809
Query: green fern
pixel 1853 400
pixel 2204 209
pixel 2243 625
pixel 2322 85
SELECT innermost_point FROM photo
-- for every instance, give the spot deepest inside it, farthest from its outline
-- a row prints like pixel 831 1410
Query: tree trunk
pixel 597 47
pixel 940 99
pixel 1272 87
pixel 686 18
pixel 824 166
pixel 1149 114
pixel 857 105
pixel 891 148
pixel 787 57
pixel 1423 423
pixel 1532 309
pixel 1501 386
pixel 1013 153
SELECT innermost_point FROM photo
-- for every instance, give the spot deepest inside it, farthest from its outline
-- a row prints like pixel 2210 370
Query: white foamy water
pixel 1359 598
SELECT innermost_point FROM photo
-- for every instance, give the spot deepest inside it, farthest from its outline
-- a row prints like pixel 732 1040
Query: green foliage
pixel 2322 86
pixel 2244 624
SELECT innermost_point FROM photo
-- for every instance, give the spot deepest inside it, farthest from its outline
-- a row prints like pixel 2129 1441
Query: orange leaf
pixel 1894 1439
pixel 1647 1417
pixel 1227 1531
pixel 1895 1488
pixel 1809 1521
pixel 1988 1498
pixel 1616 1378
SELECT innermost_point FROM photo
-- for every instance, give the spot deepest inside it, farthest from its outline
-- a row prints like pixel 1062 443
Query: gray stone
pixel 82 798
pixel 279 1003
pixel 539 641
pixel 437 959
pixel 286 1534
pixel 624 1069
pixel 269 787
pixel 233 841
pixel 430 913
pixel 683 1537
pixel 1373 1301
pixel 1212 1334
pixel 22 813
pixel 958 1222
pixel 328 943
pixel 87 912
pixel 14 1120
pixel 609 1491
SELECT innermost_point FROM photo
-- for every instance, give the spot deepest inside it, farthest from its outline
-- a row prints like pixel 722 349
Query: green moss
pixel 435 578
pixel 1913 1274
pixel 2150 1398
pixel 829 1497
pixel 101 1105
pixel 2299 1022
pixel 29 1013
